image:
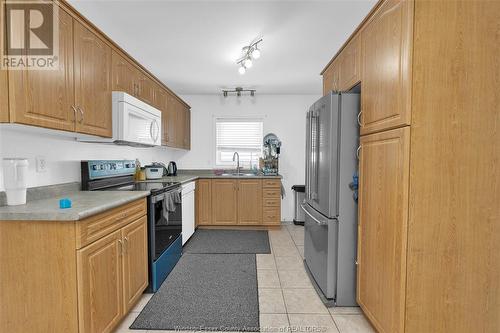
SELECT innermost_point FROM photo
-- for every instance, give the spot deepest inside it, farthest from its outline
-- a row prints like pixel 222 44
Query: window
pixel 242 135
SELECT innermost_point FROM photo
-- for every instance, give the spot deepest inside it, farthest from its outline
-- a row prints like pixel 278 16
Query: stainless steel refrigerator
pixel 329 206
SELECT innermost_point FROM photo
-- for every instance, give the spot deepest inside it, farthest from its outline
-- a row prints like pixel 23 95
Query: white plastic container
pixel 15 174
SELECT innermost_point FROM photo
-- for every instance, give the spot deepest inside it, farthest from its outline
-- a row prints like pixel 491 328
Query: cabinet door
pixel 171 119
pixel 92 82
pixel 135 261
pixel 161 103
pixel 45 98
pixel 203 202
pixel 4 97
pixel 224 201
pixel 350 65
pixel 187 132
pixel 180 125
pixel 4 88
pixel 382 226
pixel 146 88
pixel 123 74
pixel 250 201
pixel 386 67
pixel 100 292
pixel 331 78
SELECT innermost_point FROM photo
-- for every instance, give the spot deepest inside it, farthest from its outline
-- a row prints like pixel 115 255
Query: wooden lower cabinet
pixel 52 281
pixel 250 201
pixel 203 202
pixel 229 201
pixel 224 201
pixel 382 227
pixel 100 284
pixel 135 261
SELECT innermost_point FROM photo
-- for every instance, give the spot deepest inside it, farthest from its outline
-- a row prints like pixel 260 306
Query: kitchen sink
pixel 234 174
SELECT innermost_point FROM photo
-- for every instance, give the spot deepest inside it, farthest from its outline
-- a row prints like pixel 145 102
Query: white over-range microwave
pixel 135 123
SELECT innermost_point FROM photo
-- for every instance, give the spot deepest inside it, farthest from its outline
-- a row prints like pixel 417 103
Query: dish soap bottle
pixel 137 174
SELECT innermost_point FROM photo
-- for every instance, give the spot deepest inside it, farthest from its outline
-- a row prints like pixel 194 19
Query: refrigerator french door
pixel 330 209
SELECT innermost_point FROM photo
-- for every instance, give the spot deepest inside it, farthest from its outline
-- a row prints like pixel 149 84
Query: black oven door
pixel 165 220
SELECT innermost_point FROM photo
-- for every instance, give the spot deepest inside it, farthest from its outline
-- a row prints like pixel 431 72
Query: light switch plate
pixel 41 164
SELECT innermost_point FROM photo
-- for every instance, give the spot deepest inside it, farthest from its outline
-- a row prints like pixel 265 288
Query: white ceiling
pixel 192 45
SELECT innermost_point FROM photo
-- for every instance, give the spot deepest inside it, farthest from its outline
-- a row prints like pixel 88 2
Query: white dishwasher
pixel 187 211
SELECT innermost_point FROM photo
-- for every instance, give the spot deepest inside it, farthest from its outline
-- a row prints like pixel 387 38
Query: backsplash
pixel 63 154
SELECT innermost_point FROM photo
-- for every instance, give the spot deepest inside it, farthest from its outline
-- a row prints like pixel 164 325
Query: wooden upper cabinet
pixel 92 82
pixel 250 201
pixel 180 133
pixel 135 261
pixel 171 120
pixel 386 67
pixel 204 202
pixel 123 74
pixel 145 88
pixel 224 201
pixel 349 63
pixel 187 133
pixel 100 292
pixel 45 98
pixel 382 227
pixel 4 87
pixel 4 97
pixel 331 78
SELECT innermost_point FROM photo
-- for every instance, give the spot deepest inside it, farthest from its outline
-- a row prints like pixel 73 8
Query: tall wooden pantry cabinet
pixel 428 210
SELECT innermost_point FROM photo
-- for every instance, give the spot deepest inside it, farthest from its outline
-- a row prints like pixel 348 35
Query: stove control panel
pixel 96 169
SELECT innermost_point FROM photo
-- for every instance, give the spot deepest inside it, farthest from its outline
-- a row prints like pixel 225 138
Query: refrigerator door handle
pixel 321 220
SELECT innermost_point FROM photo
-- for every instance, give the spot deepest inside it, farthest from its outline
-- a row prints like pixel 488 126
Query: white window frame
pixel 228 165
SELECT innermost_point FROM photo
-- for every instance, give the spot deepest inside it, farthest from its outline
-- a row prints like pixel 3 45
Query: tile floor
pixel 287 300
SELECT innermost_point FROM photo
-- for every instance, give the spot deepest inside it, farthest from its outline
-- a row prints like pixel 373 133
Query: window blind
pixel 238 135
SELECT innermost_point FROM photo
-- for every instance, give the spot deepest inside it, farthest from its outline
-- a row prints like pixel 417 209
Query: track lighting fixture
pixel 238 91
pixel 250 53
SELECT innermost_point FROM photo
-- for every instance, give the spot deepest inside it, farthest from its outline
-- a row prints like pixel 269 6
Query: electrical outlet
pixel 41 164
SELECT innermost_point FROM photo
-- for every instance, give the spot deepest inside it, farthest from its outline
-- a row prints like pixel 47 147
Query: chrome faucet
pixel 237 163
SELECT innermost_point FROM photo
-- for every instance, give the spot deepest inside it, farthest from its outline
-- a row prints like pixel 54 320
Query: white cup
pixel 15 176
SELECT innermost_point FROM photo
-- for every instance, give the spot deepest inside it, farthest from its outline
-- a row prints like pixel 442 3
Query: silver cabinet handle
pixel 357 152
pixel 359 118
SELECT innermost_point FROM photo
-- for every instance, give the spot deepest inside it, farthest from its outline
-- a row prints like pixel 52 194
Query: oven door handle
pixel 161 196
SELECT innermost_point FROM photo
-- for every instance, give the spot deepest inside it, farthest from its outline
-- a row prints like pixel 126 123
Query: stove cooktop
pixel 153 187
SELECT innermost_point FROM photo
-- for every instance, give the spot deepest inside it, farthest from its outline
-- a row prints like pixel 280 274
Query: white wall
pixel 283 115
pixel 63 154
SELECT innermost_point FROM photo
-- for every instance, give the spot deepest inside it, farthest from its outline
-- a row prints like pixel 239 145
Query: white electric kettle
pixel 15 174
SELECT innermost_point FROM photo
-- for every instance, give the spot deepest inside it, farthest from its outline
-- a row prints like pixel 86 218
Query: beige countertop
pixel 87 203
pixel 186 176
pixel 84 204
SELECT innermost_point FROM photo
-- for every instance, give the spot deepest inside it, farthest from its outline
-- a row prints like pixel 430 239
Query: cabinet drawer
pixel 272 183
pixel 95 227
pixel 271 193
pixel 271 202
pixel 271 215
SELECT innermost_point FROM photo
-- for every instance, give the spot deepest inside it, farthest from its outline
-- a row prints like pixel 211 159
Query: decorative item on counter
pixel 137 174
pixel 272 149
pixel 65 203
pixel 15 174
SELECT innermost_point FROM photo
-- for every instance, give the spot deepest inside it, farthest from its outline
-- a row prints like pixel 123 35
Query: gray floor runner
pixel 228 241
pixel 216 292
